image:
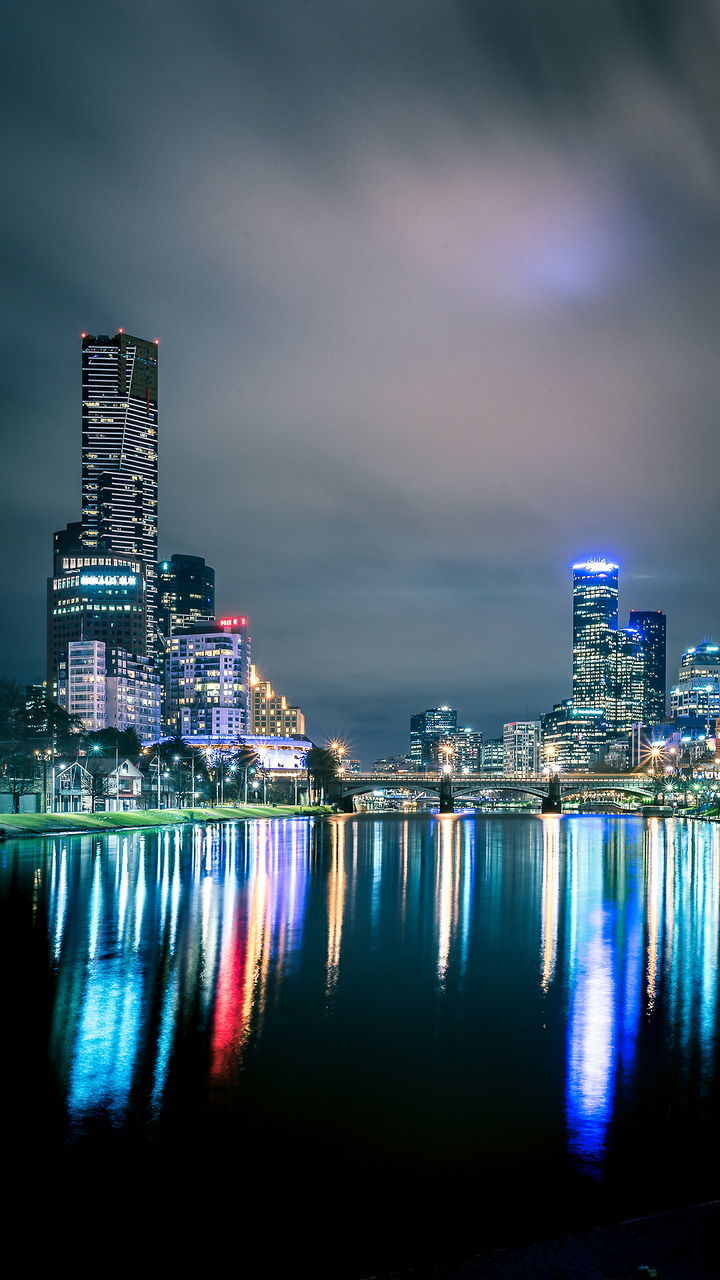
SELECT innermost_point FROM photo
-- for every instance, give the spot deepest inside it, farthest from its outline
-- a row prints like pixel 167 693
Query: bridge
pixel 550 789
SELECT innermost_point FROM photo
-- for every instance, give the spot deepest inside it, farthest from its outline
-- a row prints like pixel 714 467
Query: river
pixel 366 1040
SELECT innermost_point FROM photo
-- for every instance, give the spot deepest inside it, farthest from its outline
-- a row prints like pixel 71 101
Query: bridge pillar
pixel 346 804
pixel 447 804
pixel 552 802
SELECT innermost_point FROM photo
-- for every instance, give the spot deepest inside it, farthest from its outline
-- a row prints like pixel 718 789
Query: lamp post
pixel 155 760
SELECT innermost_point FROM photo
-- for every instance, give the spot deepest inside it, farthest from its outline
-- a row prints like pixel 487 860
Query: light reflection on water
pixel 538 956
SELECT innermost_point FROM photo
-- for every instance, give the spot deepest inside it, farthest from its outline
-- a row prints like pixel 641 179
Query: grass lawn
pixel 46 823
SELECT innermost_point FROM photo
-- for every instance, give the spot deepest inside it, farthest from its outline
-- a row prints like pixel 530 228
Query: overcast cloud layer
pixel 437 292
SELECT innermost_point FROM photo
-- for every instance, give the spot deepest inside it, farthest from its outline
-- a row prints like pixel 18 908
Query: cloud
pixel 436 287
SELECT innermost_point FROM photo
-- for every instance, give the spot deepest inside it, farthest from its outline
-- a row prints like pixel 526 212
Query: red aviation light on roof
pixel 232 622
pixel 121 330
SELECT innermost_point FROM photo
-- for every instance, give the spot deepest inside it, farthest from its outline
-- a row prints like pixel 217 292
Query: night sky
pixel 437 289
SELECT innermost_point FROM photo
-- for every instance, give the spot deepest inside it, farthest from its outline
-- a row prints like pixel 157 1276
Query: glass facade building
pixel 626 682
pixel 92 598
pixel 120 455
pixel 595 615
pixel 186 592
pixel 427 730
pixel 573 738
pixel 651 624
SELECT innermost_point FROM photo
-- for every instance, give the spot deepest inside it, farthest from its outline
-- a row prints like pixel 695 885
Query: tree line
pixel 37 735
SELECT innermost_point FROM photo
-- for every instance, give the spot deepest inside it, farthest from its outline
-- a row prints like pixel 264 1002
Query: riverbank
pixel 681 1244
pixel 46 824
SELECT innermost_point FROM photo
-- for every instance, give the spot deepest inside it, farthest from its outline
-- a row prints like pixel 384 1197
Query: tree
pixel 322 767
pixel 106 742
pixel 247 764
pixel 180 765
pixel 18 771
pixel 13 712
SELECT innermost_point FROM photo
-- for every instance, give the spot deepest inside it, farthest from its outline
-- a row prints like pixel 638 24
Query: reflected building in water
pixel 604 932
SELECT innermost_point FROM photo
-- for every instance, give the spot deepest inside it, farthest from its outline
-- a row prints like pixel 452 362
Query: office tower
pixel 270 714
pixel 492 757
pixel 467 745
pixel 120 455
pixel 186 592
pixel 521 747
pixel 92 598
pixel 595 614
pixel 697 692
pixel 573 738
pixel 207 680
pixel 651 624
pixel 626 682
pixel 427 730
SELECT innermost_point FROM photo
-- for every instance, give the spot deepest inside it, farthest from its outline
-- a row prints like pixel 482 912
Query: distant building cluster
pixel 133 642
pixel 616 715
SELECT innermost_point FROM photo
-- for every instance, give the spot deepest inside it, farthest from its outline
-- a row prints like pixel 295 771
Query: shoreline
pixel 39 825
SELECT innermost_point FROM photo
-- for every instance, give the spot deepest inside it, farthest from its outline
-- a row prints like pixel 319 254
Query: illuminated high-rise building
pixel 427 730
pixel 521 747
pixel 626 682
pixel 651 625
pixel 208 680
pixel 697 692
pixel 120 456
pixel 595 615
pixel 186 592
pixel 573 738
pixel 91 598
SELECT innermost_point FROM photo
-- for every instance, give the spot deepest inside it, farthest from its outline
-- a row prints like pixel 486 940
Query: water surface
pixel 412 1036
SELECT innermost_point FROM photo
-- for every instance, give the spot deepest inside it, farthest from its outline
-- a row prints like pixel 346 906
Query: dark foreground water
pixel 358 1042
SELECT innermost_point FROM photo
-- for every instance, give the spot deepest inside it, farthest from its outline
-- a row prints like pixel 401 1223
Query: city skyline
pixel 436 311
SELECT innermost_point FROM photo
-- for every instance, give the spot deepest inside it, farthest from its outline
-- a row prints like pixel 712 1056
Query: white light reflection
pixel 550 898
pixel 336 904
pixel 444 893
pixel 590 1027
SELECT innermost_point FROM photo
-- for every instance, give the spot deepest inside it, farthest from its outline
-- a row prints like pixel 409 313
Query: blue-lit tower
pixel 595 615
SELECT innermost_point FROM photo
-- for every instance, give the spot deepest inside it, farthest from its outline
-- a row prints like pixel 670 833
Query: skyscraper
pixel 595 614
pixel 186 592
pixel 651 625
pixel 427 730
pixel 120 455
pixel 92 598
pixel 626 681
